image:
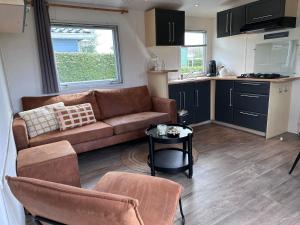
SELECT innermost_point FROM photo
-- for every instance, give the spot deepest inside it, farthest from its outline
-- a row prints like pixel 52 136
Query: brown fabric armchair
pixel 118 198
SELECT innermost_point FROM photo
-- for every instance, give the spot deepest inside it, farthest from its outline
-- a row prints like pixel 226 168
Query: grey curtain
pixel 46 55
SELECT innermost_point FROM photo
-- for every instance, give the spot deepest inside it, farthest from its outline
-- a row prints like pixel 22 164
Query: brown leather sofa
pixel 121 114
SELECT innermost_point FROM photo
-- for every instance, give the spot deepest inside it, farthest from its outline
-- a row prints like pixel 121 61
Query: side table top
pixel 184 131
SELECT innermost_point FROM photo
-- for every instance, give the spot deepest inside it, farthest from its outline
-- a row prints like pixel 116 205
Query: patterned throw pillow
pixel 74 116
pixel 41 120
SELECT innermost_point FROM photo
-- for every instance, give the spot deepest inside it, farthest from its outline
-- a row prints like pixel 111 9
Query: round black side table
pixel 171 160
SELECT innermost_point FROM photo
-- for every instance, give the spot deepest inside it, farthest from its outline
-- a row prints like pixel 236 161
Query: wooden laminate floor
pixel 239 178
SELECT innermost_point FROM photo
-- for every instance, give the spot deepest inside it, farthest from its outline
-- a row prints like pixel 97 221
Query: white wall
pixel 11 212
pixel 237 54
pixel 171 55
pixel 20 52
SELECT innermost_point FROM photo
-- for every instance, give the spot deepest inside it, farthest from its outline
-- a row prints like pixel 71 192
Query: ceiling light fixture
pixel 196 5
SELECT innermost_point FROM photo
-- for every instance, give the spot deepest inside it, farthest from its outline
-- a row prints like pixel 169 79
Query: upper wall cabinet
pixel 164 27
pixel 270 9
pixel 262 15
pixel 231 21
pixel 12 16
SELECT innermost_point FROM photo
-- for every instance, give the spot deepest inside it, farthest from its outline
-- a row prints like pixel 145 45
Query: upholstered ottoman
pixel 56 162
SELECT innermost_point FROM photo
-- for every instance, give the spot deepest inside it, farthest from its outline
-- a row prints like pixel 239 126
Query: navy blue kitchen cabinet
pixel 182 94
pixel 243 103
pixel 230 22
pixel 175 93
pixel 201 95
pixel 251 104
pixel 224 101
pixel 193 97
pixel 170 27
pixel 263 10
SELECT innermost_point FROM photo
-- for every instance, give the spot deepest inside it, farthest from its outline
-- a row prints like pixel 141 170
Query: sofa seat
pixel 127 123
pixel 75 136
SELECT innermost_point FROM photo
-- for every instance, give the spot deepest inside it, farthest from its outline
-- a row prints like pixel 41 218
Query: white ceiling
pixel 206 8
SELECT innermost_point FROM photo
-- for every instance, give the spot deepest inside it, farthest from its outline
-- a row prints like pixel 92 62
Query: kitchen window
pixel 86 55
pixel 193 53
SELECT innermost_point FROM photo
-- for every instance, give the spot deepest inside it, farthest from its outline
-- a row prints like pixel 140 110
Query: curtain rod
pixel 62 5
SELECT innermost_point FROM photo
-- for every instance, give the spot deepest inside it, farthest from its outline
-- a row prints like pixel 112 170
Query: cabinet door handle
pixel 262 17
pixel 230 23
pixel 169 32
pixel 250 96
pixel 184 100
pixel 227 18
pixel 253 84
pixel 249 114
pixel 180 108
pixel 197 98
pixel 173 31
pixel 230 97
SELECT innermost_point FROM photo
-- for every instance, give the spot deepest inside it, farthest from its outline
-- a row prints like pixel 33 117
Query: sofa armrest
pixel 165 105
pixel 20 133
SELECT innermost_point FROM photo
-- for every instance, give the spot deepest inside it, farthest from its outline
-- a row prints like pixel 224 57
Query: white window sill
pixel 85 86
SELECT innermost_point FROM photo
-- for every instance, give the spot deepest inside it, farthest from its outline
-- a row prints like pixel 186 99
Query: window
pixel 193 54
pixel 86 55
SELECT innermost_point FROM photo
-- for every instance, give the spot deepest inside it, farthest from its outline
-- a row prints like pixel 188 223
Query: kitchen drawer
pixel 252 102
pixel 262 88
pixel 250 120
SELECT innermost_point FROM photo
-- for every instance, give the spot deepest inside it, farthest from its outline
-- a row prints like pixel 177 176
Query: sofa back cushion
pixel 118 102
pixel 72 205
pixel 68 99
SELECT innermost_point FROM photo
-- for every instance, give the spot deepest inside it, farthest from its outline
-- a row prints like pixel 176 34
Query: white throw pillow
pixel 41 120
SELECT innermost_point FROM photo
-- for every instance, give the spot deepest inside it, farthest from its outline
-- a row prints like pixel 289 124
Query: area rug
pixel 135 156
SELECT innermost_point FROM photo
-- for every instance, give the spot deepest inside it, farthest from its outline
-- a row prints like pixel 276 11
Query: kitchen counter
pixel 162 71
pixel 204 78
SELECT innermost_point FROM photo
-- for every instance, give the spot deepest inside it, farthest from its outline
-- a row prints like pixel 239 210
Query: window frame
pixel 204 54
pixel 94 83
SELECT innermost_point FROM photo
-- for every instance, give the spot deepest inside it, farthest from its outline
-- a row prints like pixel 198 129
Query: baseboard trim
pixel 240 128
pixel 200 124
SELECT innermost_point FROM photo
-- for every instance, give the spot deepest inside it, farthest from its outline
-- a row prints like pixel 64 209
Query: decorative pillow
pixel 41 120
pixel 74 116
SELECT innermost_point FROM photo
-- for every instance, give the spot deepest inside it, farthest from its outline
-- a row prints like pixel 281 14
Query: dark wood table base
pixel 171 160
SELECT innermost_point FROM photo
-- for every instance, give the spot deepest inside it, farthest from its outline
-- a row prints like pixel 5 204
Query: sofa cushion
pixel 69 99
pixel 41 120
pixel 70 117
pixel 127 123
pixel 75 136
pixel 117 102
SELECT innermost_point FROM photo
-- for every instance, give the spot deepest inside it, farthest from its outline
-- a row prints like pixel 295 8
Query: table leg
pixel 151 151
pixel 190 154
pixel 184 145
pixel 295 164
